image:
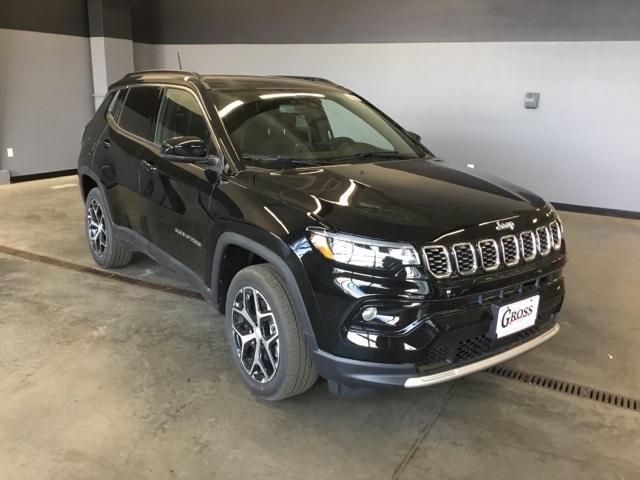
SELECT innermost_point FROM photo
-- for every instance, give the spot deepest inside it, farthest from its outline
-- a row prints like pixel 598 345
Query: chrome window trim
pixel 548 235
pixel 533 243
pixel 473 254
pixel 497 250
pixel 515 242
pixel 449 271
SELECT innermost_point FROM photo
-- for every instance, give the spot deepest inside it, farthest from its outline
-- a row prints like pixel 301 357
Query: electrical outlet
pixel 10 152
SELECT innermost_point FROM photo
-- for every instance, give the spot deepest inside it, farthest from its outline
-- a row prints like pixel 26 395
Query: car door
pixel 177 194
pixel 130 129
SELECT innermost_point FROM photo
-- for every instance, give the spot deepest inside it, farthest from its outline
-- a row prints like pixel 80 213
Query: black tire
pixel 295 372
pixel 107 250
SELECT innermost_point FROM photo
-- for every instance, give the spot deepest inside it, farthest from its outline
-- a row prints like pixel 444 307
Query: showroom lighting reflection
pixel 268 96
pixel 277 219
pixel 229 108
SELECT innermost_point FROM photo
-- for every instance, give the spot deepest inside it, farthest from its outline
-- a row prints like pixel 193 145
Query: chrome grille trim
pixel 488 254
pixel 435 265
pixel 528 243
pixel 544 241
pixel 459 251
pixel 556 234
pixel 490 243
pixel 513 241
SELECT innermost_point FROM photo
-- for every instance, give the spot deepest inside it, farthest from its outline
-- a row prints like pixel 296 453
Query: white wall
pixel 581 146
pixel 45 100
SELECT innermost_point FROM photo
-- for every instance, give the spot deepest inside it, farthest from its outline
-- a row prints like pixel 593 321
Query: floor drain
pixel 567 387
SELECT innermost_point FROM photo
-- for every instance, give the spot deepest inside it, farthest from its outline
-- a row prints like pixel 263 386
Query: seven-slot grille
pixel 528 245
pixel 438 261
pixel 465 258
pixel 488 254
pixel 510 250
pixel 544 242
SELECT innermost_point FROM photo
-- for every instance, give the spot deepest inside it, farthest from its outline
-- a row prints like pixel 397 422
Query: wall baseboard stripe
pixel 609 212
pixel 567 207
pixel 42 176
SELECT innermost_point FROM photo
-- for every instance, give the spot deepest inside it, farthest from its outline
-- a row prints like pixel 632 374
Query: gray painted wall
pixel 378 21
pixel 460 83
pixel 466 100
pixel 45 100
pixel 454 71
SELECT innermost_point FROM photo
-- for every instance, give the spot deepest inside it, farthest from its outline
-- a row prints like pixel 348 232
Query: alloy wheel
pixel 255 334
pixel 96 228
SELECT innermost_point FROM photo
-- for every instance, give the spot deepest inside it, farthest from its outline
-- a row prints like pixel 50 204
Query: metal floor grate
pixel 568 388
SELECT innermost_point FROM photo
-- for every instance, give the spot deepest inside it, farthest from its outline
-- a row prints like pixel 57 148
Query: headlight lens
pixel 361 251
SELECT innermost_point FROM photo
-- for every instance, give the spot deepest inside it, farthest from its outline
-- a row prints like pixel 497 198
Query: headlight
pixel 361 251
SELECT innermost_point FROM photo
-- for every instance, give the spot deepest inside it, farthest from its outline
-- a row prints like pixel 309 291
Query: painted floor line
pixel 26 255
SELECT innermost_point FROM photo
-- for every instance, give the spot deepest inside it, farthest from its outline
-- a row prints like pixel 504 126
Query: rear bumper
pixel 359 374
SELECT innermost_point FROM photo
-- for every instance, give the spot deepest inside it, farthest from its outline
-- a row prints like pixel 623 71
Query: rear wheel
pixel 266 341
pixel 107 250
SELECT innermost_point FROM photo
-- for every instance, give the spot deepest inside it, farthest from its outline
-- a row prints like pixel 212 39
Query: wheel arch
pixel 276 253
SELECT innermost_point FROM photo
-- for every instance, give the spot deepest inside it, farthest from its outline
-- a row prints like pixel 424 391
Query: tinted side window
pixel 181 116
pixel 140 111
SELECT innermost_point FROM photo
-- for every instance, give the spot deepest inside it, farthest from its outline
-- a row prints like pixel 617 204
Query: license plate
pixel 516 316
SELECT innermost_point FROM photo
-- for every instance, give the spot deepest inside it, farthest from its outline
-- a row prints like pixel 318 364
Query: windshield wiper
pixel 292 161
pixel 366 155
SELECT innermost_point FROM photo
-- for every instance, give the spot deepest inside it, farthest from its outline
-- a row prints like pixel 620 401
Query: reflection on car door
pixel 131 125
pixel 177 194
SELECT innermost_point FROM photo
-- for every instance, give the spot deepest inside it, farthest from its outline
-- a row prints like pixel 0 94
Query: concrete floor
pixel 100 379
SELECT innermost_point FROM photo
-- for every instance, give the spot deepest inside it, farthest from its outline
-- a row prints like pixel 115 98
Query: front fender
pixel 287 263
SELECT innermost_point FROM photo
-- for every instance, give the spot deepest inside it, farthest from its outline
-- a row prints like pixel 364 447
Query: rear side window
pixel 181 116
pixel 116 103
pixel 140 111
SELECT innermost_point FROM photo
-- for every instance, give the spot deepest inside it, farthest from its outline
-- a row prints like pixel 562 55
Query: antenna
pixel 179 61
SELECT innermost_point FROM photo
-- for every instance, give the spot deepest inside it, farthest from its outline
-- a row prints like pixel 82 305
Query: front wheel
pixel 266 341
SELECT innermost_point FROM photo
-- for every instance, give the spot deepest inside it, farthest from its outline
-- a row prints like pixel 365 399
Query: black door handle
pixel 107 143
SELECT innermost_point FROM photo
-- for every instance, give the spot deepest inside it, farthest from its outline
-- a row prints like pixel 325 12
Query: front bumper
pixel 359 374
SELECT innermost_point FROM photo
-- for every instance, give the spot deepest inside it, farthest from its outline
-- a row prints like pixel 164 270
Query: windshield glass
pixel 279 129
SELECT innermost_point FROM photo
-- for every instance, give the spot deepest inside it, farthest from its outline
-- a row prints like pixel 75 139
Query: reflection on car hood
pixel 410 200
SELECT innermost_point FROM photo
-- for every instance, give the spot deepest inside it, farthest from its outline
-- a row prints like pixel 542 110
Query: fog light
pixel 369 314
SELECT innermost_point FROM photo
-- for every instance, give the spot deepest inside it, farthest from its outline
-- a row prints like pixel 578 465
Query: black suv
pixel 332 240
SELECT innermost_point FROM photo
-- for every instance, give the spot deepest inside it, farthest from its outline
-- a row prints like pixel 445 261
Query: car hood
pixel 413 200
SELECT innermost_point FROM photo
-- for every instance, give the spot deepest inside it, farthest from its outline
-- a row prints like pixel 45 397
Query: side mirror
pixel 414 136
pixel 184 149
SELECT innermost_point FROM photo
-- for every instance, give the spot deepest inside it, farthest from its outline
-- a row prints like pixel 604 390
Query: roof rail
pixel 176 72
pixel 311 79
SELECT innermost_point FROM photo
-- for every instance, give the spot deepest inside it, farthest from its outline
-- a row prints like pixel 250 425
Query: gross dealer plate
pixel 516 316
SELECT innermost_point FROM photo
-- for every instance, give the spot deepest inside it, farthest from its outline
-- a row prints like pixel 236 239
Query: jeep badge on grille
pixel 505 225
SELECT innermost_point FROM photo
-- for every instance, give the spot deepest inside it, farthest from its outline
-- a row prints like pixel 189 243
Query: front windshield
pixel 279 129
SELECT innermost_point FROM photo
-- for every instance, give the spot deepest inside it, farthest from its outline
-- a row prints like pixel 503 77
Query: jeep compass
pixel 332 241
